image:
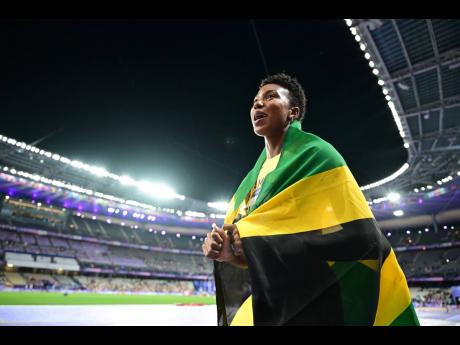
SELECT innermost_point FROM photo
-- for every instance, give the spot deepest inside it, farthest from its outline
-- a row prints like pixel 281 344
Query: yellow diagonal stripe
pixel 372 264
pixel 244 315
pixel 394 295
pixel 316 202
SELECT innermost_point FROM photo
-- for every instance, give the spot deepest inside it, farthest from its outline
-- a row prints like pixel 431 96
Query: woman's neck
pixel 274 144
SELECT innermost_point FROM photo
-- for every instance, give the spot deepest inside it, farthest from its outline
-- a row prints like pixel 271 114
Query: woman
pixel 299 244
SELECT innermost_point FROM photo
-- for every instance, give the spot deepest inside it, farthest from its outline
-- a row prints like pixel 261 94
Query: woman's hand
pixel 235 239
pixel 217 245
pixel 224 245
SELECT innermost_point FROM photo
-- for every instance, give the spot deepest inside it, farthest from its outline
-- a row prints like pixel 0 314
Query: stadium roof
pixel 417 63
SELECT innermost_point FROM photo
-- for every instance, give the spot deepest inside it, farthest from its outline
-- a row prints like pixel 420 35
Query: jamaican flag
pixel 315 253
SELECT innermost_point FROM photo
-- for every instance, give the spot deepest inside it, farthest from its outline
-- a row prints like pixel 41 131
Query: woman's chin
pixel 260 131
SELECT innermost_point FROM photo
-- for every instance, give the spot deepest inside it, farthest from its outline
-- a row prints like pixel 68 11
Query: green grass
pixel 58 298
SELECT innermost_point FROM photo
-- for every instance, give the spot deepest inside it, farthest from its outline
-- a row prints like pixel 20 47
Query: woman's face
pixel 270 111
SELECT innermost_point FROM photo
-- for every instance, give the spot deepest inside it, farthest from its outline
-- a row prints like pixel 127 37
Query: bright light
pixel 439 182
pixel 163 232
pixel 406 145
pixel 7 197
pixel 375 71
pixel 77 164
pixel 371 64
pixel 178 235
pixel 109 221
pixel 423 188
pixel 408 232
pixel 397 173
pixel 348 22
pixel 126 180
pixel 458 173
pixel 219 205
pixel 157 190
pixel 39 204
pixel 416 190
pixel 393 196
pixel 381 82
pixel 93 217
pixel 444 227
pixel 353 31
pixel 357 38
pixel 388 234
pixel 426 229
pixel 195 214
pixel 362 46
pixel 10 265
pixel 385 91
pixel 392 107
pixel 193 237
pixel 367 56
pixel 429 187
pixel 398 213
pixel 100 172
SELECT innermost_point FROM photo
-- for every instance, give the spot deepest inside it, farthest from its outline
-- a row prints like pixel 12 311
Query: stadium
pixel 80 245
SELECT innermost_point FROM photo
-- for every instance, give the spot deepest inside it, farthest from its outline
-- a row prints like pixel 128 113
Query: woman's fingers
pixel 217 237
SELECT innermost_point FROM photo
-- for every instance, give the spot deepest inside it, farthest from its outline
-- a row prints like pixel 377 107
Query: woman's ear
pixel 294 114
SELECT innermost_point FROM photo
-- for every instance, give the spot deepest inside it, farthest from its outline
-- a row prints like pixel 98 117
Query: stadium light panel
pixel 362 46
pixel 157 190
pixel 357 38
pixel 349 22
pixel 126 180
pixel 375 71
pixel 193 237
pixel 406 145
pixel 371 64
pixel 353 31
pixel 219 205
pixel 398 213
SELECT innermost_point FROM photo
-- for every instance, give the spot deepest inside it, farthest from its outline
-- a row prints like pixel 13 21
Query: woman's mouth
pixel 259 117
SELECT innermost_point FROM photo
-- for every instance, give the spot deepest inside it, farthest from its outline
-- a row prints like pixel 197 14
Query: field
pixel 58 298
pixel 91 309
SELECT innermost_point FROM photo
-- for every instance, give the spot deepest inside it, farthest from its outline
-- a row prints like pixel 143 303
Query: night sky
pixel 169 100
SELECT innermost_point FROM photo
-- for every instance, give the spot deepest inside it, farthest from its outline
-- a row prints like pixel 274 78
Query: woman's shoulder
pixel 313 144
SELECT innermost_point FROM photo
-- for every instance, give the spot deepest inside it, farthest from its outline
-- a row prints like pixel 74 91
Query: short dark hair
pixel 296 92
